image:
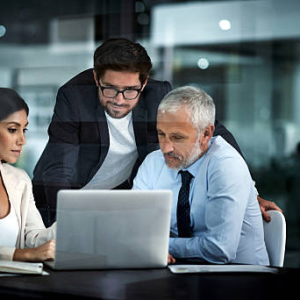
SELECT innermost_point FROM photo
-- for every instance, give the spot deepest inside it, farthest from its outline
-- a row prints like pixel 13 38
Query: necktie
pixel 183 206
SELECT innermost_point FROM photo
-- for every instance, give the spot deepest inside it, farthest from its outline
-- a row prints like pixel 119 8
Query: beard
pixel 113 110
pixel 193 156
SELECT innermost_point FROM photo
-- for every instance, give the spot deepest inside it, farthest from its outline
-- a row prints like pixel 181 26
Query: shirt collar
pixel 194 167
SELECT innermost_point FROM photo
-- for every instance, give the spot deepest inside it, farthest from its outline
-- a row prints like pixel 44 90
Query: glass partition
pixel 245 54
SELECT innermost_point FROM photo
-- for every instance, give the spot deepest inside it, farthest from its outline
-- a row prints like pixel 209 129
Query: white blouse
pixel 9 229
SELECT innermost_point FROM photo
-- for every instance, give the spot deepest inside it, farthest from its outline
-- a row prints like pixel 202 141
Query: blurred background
pixel 245 54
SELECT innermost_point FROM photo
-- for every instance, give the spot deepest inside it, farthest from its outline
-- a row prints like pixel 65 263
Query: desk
pixel 152 284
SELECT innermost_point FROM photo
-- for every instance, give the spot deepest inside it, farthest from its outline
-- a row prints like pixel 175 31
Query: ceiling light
pixel 225 24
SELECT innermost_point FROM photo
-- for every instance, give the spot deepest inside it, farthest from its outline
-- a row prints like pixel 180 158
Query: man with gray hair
pixel 215 214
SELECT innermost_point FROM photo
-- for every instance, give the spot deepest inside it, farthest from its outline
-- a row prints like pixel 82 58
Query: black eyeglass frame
pixel 102 88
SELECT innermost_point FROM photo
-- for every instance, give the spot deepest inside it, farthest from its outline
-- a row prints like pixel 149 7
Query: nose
pixel 166 145
pixel 119 99
pixel 21 141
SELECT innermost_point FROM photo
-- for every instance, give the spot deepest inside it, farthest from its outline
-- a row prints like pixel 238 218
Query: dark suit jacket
pixel 79 139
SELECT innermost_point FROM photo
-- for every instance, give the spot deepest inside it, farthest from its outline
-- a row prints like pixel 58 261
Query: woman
pixel 23 236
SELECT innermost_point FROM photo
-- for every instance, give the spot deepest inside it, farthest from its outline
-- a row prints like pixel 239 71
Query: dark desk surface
pixel 152 284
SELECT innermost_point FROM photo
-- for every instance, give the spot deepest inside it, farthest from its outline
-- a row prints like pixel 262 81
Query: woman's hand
pixel 41 253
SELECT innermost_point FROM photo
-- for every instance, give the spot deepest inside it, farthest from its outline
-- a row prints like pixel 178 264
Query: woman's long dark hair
pixel 10 102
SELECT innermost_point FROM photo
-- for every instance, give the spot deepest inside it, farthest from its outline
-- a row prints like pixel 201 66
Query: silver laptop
pixel 112 229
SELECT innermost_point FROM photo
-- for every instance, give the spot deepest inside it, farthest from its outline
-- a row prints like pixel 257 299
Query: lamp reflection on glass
pixel 203 63
pixel 2 31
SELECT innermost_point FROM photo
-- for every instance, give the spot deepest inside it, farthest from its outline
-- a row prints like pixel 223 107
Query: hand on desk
pixel 266 205
pixel 44 252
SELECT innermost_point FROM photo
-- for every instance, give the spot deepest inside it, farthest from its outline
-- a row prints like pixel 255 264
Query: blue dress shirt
pixel 225 215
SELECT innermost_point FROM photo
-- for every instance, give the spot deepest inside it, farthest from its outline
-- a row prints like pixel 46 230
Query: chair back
pixel 275 237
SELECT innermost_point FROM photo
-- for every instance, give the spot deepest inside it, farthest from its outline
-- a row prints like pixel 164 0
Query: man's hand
pixel 266 205
pixel 171 259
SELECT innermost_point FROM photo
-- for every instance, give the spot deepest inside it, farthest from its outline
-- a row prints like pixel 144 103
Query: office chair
pixel 275 236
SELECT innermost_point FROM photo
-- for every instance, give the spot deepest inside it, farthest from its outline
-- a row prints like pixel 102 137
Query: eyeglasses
pixel 128 94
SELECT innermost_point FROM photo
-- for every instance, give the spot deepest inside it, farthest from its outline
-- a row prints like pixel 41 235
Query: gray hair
pixel 200 105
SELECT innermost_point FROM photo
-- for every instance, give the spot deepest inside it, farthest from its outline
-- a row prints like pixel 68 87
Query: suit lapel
pixel 103 131
pixel 139 117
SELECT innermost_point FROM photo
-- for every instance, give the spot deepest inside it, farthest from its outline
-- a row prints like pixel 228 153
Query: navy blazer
pixel 79 139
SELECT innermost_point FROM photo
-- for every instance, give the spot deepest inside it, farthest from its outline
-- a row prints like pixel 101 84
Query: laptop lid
pixel 112 229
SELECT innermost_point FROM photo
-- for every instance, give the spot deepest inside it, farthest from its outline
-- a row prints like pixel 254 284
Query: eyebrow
pixel 180 134
pixel 123 87
pixel 16 123
pixel 183 135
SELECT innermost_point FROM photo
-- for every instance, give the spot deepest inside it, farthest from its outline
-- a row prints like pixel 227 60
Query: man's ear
pixel 145 83
pixel 206 135
pixel 209 131
pixel 95 78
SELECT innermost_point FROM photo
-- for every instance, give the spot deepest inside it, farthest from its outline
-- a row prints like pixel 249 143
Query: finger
pixel 266 216
pixel 49 254
pixel 275 207
pixel 52 244
pixel 171 259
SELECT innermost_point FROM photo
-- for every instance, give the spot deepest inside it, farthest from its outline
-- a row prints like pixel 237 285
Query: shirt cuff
pixel 184 247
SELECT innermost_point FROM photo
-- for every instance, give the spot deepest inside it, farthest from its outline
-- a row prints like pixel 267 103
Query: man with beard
pixel 215 214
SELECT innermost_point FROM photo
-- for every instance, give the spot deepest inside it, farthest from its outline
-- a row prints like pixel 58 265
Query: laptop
pixel 112 229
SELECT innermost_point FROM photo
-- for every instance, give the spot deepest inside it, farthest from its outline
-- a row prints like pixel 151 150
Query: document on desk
pixel 14 267
pixel 183 269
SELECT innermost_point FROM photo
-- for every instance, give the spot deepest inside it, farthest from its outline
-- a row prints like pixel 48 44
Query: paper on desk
pixel 21 267
pixel 182 269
